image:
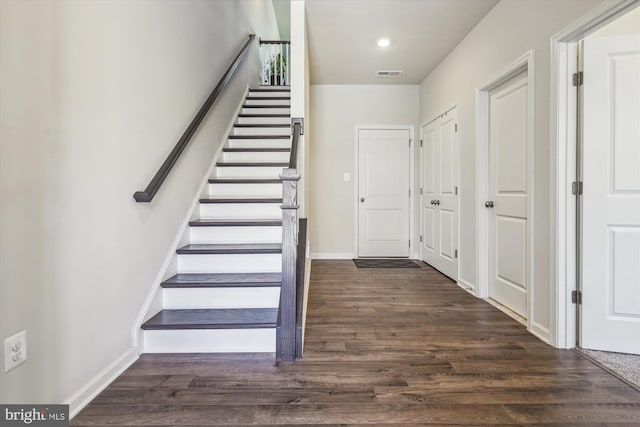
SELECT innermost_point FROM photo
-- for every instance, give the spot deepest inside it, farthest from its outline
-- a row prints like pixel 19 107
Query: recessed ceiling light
pixel 384 42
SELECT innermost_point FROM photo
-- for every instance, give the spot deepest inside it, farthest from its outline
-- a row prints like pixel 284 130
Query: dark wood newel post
pixel 286 333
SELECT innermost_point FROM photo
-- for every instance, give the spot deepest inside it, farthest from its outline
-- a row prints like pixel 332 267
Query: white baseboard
pixel 90 390
pixel 331 255
pixel 541 332
pixel 467 286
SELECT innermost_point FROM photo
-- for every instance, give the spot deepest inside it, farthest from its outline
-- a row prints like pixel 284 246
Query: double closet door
pixel 439 198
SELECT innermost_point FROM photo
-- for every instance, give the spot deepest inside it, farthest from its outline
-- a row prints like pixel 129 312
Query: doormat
pixel 385 263
pixel 624 366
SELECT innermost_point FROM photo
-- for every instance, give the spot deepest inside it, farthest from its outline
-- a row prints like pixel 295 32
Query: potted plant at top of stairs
pixel 277 69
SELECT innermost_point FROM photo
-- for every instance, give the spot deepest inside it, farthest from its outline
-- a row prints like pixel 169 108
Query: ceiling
pixel 343 34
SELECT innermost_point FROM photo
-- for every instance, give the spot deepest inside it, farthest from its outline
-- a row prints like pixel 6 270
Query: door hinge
pixel 421 237
pixel 578 78
pixel 576 188
pixel 421 142
pixel 409 193
pixel 455 127
pixel 455 253
pixel 576 297
pixel 409 243
pixel 421 191
pixel 456 189
pixel 410 143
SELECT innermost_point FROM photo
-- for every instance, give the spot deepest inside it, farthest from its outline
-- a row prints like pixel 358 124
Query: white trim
pixel 524 62
pixel 467 286
pixel 458 182
pixel 183 230
pixel 331 255
pixel 562 125
pixel 97 384
pixel 356 178
pixel 542 332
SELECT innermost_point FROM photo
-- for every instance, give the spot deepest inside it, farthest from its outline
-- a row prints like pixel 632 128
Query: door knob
pixel 433 202
pixel 438 202
pixel 361 199
pixel 488 204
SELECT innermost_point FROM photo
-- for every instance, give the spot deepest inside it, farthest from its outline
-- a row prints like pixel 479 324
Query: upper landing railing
pixel 274 62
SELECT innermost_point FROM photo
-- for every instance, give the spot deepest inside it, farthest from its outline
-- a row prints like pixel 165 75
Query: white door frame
pixel 464 285
pixel 525 62
pixel 356 182
pixel 562 127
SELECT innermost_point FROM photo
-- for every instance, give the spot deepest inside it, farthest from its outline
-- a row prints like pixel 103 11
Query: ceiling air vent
pixel 388 73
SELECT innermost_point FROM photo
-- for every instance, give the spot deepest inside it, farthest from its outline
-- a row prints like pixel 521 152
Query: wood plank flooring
pixel 401 347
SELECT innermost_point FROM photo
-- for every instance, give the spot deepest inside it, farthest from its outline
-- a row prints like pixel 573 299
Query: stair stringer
pixel 153 303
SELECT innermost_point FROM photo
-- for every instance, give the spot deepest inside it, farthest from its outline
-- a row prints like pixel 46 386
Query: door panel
pixel 508 269
pixel 383 193
pixel 429 142
pixel 611 195
pixel 439 184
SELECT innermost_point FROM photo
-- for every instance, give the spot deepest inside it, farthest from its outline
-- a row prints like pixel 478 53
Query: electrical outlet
pixel 15 351
pixel 346 177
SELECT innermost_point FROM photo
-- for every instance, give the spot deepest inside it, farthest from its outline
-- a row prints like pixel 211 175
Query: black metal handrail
pixel 297 131
pixel 162 173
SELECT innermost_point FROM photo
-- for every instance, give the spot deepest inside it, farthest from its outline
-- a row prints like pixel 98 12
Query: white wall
pixel 336 110
pixel 93 95
pixel 511 29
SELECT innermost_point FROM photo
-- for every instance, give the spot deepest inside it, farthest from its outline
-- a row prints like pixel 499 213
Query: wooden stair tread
pixel 255 150
pixel 261 125
pixel 259 136
pixel 243 199
pixel 249 164
pixel 248 115
pixel 230 248
pixel 235 223
pixel 245 181
pixel 212 280
pixel 268 98
pixel 234 318
pixel 277 89
pixel 266 106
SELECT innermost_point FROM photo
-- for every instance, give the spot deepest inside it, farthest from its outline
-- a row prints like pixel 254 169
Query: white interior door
pixel 439 202
pixel 430 142
pixel 383 192
pixel 611 195
pixel 508 246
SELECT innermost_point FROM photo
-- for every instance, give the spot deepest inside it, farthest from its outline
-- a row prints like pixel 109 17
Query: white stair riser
pixel 262 131
pixel 249 189
pixel 284 102
pixel 259 143
pixel 260 340
pixel 218 298
pixel 240 211
pixel 272 93
pixel 264 120
pixel 255 156
pixel 249 171
pixel 242 234
pixel 230 263
pixel 271 110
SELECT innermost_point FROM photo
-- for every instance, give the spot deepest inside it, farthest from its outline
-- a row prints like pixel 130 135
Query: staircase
pixel 226 294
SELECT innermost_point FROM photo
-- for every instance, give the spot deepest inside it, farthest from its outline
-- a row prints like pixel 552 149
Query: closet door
pixel 439 205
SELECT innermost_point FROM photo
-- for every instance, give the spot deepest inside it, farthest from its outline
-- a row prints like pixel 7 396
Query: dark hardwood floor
pixel 383 347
